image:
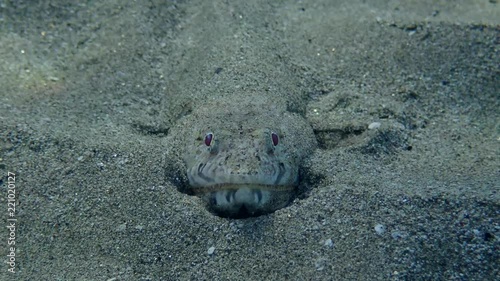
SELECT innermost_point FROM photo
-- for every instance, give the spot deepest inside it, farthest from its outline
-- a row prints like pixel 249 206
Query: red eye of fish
pixel 208 139
pixel 275 138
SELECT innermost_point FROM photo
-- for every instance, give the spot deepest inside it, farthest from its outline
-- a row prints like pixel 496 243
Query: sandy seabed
pixel 403 97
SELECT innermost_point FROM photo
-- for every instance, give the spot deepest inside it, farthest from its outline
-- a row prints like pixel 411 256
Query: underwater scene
pixel 250 140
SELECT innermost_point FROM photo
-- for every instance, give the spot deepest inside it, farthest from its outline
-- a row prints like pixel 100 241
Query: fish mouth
pixel 201 190
pixel 245 200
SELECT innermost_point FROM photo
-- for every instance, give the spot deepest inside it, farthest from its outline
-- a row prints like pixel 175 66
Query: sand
pixel 90 90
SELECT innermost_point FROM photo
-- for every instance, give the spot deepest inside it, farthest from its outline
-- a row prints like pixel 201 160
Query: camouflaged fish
pixel 242 157
pixel 243 136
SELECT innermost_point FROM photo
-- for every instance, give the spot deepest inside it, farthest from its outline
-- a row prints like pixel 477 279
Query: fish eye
pixel 275 138
pixel 209 138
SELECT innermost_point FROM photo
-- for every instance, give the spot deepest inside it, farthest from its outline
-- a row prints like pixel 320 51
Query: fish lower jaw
pixel 237 186
pixel 246 200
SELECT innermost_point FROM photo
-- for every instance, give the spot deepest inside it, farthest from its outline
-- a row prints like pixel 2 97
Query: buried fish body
pixel 243 158
pixel 236 108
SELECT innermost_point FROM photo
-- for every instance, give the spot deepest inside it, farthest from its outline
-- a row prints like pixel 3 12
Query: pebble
pixel 379 229
pixel 398 235
pixel 320 264
pixel 329 243
pixel 374 125
pixel 478 233
pixel 121 227
pixel 211 250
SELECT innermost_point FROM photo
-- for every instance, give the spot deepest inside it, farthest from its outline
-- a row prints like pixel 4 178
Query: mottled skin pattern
pixel 243 171
pixel 236 80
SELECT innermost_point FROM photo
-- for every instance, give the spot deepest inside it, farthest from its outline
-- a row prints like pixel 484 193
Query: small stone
pixel 374 125
pixel 320 264
pixel 211 250
pixel 329 243
pixel 121 227
pixel 379 229
pixel 478 233
pixel 399 235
